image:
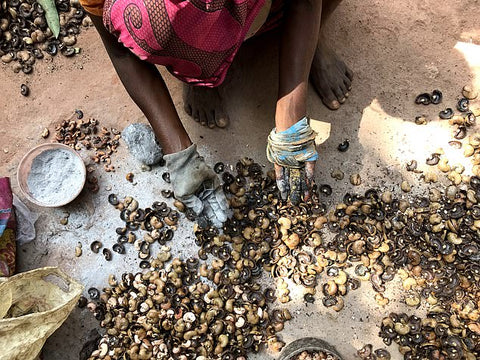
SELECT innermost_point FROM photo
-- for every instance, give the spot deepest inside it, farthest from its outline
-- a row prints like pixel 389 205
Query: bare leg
pixel 147 89
pixel 330 76
pixel 297 49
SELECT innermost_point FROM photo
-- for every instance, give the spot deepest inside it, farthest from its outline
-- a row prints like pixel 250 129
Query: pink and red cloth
pixel 7 229
pixel 196 40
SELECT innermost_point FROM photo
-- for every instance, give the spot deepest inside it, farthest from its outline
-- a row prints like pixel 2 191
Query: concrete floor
pixel 397 50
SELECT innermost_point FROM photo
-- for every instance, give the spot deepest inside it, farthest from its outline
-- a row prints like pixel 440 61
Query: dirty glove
pixel 294 154
pixel 196 185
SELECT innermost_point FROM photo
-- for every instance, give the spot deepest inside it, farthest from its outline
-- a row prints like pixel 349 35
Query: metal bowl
pixel 25 166
pixel 308 344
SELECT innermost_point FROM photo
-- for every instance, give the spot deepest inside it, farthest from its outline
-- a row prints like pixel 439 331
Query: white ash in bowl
pixel 55 175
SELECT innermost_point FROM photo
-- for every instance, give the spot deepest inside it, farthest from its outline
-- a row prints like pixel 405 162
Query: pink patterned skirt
pixel 196 40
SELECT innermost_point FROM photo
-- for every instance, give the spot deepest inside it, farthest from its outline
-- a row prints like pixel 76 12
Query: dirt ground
pixel 397 49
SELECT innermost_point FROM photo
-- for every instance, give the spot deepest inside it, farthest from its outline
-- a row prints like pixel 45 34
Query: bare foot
pixel 330 76
pixel 204 105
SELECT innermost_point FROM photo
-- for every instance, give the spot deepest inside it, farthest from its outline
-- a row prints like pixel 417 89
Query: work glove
pixel 294 155
pixel 196 185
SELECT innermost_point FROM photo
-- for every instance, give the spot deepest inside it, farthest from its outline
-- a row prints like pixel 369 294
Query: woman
pixel 197 40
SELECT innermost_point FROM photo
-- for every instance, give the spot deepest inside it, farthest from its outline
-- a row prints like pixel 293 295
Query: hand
pixel 294 155
pixel 197 185
pixel 295 183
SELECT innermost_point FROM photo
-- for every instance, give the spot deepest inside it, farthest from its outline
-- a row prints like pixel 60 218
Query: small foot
pixel 205 105
pixel 331 78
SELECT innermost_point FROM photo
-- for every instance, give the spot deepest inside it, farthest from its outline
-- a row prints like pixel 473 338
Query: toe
pixel 344 90
pixel 349 73
pixel 347 82
pixel 339 94
pixel 187 108
pixel 221 119
pixel 196 115
pixel 187 99
pixel 203 117
pixel 330 101
pixel 210 119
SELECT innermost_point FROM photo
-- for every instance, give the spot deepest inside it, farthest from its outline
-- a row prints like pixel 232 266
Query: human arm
pixel 147 89
pixel 193 181
pixel 297 47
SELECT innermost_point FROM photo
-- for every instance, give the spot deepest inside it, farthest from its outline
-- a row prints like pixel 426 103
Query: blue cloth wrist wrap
pixel 294 146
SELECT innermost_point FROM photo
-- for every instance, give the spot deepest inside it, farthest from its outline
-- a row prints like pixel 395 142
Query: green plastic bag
pixel 33 305
pixel 51 14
